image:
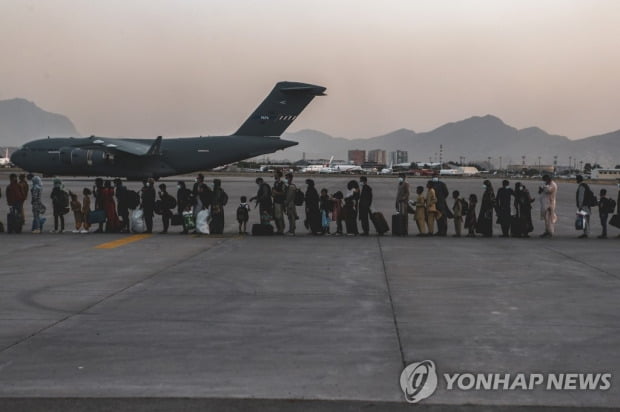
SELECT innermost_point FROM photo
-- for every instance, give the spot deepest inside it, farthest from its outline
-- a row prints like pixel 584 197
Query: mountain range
pixel 22 120
pixel 476 139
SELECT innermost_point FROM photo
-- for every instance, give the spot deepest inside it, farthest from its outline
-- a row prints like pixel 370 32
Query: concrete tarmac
pixel 173 322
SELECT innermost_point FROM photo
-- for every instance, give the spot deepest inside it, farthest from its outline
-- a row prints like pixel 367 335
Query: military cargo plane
pixel 140 159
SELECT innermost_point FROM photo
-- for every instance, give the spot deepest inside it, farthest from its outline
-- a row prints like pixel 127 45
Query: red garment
pixel 14 194
pixel 113 223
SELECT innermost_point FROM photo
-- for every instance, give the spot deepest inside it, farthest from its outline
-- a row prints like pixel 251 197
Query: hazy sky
pixel 143 68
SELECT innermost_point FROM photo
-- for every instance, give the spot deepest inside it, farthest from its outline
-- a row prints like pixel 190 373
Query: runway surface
pixel 232 322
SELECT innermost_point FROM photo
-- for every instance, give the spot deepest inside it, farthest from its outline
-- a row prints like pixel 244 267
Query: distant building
pixel 377 156
pixel 399 156
pixel 357 157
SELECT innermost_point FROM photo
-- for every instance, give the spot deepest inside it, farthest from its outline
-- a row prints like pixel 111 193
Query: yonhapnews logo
pixel 419 381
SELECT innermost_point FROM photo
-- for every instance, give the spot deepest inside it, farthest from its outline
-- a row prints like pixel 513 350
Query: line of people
pixel 201 209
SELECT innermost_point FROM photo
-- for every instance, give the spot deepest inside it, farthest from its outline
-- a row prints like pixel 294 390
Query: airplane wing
pixel 122 146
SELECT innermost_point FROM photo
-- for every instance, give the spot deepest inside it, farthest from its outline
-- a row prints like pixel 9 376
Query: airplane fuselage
pixel 65 157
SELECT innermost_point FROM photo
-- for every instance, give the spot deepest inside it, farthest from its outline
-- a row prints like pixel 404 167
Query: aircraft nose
pixel 18 158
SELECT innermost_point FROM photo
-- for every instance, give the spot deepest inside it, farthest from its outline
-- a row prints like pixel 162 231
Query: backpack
pixel 63 200
pixel 611 206
pixel 589 199
pixel 168 202
pixel 242 214
pixel 133 199
pixel 299 197
pixel 464 207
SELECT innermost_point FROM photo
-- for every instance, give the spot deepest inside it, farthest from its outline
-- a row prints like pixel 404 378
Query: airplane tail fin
pixel 274 115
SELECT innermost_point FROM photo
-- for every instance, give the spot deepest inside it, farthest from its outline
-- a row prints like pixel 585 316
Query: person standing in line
pixel 313 211
pixel 457 210
pixel 122 205
pixel 15 198
pixel 325 206
pixel 167 204
pixel 25 189
pixel 243 215
pixel 38 209
pixel 618 203
pixel 199 181
pixel 420 211
pixel 99 205
pixel 60 203
pixel 442 193
pixel 86 209
pixel 432 214
pixel 278 193
pixel 148 204
pixel 402 202
pixel 365 204
pixel 289 204
pixel 584 200
pixel 219 200
pixel 184 202
pixel 113 224
pixel 604 209
pixel 504 205
pixel 523 207
pixel 351 200
pixel 485 218
pixel 470 220
pixel 337 211
pixel 78 215
pixel 263 198
pixel 548 196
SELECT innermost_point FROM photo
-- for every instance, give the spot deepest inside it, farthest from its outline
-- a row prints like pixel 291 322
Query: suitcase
pixel 262 230
pixel 615 221
pixel 13 222
pixel 399 225
pixel 96 216
pixel 379 222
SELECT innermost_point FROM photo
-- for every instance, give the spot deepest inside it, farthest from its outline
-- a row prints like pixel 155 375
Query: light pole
pixel 570 163
pixel 538 164
pixel 500 163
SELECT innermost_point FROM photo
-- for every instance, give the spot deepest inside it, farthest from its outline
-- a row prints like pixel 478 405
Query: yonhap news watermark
pixel 420 380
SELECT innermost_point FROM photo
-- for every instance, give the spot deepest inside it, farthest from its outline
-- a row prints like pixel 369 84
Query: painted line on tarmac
pixel 122 242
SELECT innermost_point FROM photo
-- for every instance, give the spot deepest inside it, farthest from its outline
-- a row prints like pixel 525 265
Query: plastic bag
pixel 202 221
pixel 137 221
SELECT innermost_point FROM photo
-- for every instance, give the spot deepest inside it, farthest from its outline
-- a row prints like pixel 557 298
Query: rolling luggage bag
pixel 13 222
pixel 399 225
pixel 96 216
pixel 615 221
pixel 262 230
pixel 379 222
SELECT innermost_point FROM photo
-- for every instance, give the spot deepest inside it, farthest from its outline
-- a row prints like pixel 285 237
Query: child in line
pixel 337 212
pixel 243 215
pixel 470 219
pixel 78 215
pixel 86 210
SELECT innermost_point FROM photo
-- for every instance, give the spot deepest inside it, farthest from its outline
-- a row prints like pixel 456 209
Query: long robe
pixel 485 217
